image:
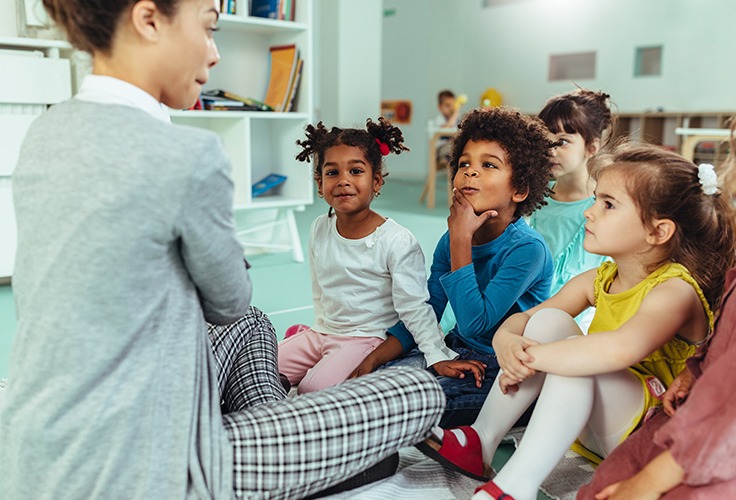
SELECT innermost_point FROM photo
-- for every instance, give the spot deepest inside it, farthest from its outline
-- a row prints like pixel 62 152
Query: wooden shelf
pixel 659 127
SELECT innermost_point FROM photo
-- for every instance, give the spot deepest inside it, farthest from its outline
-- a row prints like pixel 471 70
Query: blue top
pixel 509 274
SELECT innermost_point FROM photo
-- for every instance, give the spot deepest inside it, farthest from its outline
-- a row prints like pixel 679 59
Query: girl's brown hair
pixel 664 185
pixel 582 111
pixel 91 24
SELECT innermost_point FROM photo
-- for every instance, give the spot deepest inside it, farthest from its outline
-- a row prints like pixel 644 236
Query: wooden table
pixel 430 185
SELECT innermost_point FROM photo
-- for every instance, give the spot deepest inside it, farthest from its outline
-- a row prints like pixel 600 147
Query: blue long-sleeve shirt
pixel 509 274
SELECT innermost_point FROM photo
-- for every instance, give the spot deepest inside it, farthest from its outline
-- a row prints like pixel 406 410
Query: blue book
pixel 265 8
pixel 267 183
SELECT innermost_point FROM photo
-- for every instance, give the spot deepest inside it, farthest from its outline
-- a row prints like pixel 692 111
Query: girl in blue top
pixel 578 122
pixel 489 264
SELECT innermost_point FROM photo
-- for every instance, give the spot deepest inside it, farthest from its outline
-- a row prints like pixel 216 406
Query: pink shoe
pixel 294 329
pixel 467 460
pixel 493 490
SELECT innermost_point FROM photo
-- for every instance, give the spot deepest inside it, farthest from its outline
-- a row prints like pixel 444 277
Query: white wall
pixel 348 48
pixel 507 47
pixel 8 24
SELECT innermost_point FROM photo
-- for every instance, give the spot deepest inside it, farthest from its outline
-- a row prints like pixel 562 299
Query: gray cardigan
pixel 125 247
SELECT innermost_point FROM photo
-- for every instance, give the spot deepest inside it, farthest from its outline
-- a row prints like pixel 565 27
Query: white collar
pixel 110 90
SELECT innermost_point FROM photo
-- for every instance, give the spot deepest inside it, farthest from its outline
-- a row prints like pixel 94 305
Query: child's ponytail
pixel 376 141
pixel 389 138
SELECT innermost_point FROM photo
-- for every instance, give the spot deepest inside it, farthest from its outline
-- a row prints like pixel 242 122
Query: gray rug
pixel 569 475
pixel 421 478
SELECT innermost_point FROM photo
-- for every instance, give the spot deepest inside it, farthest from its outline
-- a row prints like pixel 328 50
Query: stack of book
pixel 223 100
pixel 285 75
pixel 283 10
pixel 228 6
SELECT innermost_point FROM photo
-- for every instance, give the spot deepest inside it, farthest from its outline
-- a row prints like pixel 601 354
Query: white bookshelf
pixel 41 75
pixel 260 143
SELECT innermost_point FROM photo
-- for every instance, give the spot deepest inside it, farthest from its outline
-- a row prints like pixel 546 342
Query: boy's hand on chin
pixel 462 218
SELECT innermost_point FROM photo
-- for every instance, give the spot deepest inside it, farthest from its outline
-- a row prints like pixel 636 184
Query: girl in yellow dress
pixel 669 232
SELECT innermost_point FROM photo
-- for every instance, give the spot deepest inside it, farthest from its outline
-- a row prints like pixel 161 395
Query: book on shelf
pixel 267 184
pixel 265 8
pixel 291 101
pixel 219 97
pixel 228 6
pixel 283 10
pixel 284 62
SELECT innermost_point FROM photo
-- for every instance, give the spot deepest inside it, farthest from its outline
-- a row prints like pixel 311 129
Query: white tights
pixel 599 409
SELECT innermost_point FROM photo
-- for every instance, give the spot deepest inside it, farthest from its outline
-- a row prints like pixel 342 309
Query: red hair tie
pixel 383 147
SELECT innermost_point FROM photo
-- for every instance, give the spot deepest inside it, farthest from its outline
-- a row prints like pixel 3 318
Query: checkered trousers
pixel 245 358
pixel 293 448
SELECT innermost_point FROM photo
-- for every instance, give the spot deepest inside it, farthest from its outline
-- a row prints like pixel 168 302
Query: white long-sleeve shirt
pixel 363 287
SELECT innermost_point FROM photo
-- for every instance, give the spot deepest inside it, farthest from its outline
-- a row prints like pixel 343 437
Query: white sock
pixel 562 410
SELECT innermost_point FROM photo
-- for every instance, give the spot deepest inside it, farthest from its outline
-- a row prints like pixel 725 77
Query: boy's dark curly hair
pixel 319 140
pixel 523 138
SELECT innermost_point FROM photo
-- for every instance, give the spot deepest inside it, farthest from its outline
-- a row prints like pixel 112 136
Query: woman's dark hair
pixel 664 185
pixel 320 139
pixel 581 111
pixel 523 138
pixel 90 25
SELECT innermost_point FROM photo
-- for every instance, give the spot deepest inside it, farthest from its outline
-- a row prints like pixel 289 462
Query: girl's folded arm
pixel 664 312
pixel 508 342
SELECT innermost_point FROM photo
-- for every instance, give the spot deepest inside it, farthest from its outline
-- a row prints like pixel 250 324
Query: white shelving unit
pixel 260 143
pixel 36 73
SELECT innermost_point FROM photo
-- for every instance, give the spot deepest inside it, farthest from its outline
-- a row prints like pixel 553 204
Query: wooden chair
pixel 694 136
pixel 430 185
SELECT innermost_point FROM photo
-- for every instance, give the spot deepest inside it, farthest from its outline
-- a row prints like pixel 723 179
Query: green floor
pixel 281 287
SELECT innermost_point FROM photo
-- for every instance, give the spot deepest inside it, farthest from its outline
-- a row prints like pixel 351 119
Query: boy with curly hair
pixel 489 264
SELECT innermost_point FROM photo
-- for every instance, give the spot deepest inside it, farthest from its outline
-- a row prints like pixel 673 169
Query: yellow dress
pixel 613 310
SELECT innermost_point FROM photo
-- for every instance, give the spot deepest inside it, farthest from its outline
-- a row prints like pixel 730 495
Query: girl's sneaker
pixel 294 329
pixel 491 491
pixel 466 459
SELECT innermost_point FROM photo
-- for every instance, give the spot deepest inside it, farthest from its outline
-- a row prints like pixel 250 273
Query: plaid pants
pixel 295 447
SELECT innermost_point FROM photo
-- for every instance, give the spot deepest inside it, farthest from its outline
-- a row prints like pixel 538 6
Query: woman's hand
pixel 677 391
pixel 512 356
pixel 458 368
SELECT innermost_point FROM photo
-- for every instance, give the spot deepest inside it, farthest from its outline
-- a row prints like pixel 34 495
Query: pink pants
pixel 315 361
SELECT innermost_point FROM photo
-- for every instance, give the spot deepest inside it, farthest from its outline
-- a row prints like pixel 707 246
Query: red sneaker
pixel 294 329
pixel 467 460
pixel 494 491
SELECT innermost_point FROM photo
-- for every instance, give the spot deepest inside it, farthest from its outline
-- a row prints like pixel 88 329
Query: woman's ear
pixel 145 19
pixel 662 231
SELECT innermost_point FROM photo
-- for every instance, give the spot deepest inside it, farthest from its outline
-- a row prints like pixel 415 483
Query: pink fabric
pixel 314 361
pixel 702 434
